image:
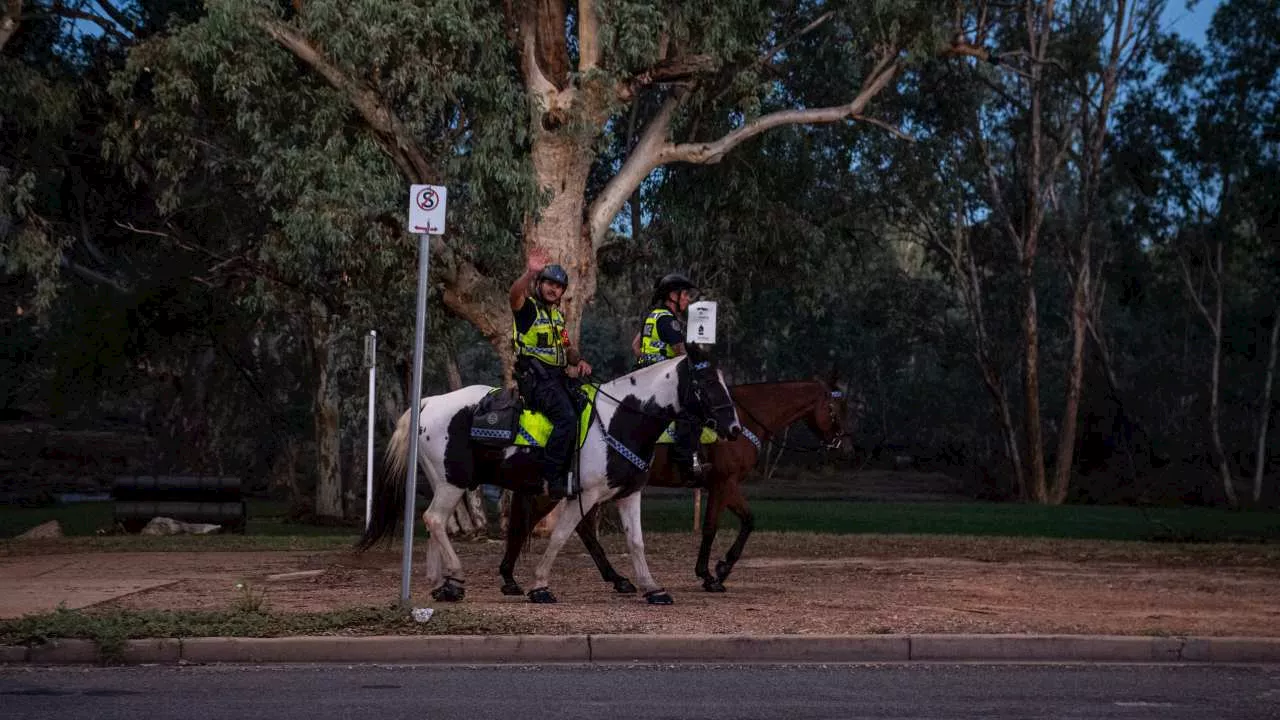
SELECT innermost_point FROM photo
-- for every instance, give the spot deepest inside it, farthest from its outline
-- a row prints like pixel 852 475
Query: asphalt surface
pixel 650 692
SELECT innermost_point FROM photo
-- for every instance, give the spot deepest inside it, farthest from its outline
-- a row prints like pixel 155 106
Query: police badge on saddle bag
pixel 497 418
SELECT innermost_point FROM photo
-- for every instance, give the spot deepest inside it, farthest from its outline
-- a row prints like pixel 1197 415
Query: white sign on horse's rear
pixel 426 209
pixel 702 323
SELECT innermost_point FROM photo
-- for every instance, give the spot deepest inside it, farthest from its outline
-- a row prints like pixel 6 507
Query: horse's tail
pixel 388 488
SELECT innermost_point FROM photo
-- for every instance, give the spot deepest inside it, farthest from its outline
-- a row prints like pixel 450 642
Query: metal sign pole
pixel 415 412
pixel 370 359
pixel 426 218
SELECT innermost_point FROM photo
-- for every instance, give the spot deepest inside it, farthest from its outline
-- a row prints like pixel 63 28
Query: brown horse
pixel 764 410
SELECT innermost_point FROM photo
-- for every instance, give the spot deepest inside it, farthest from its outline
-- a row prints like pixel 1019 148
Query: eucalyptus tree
pixel 1214 165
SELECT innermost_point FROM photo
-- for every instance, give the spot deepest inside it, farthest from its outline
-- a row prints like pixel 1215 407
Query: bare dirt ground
pixel 786 583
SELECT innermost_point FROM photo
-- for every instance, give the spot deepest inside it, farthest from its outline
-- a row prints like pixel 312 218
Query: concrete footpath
pixel 489 649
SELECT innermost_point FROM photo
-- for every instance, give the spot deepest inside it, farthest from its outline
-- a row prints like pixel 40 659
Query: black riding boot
pixel 684 450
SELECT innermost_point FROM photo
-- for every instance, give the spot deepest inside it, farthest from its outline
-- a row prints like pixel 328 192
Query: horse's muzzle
pixel 733 433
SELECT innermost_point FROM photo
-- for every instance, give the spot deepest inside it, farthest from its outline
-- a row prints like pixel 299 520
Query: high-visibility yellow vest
pixel 652 348
pixel 545 338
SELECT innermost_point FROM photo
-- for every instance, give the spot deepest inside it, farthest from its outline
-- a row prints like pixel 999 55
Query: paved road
pixel 566 692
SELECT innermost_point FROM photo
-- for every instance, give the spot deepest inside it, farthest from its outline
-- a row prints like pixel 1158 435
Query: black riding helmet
pixel 555 274
pixel 673 282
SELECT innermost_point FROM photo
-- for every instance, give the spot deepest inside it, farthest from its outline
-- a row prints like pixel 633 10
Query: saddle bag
pixel 497 419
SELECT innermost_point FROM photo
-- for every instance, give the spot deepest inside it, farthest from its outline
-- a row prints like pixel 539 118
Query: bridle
pixel 700 373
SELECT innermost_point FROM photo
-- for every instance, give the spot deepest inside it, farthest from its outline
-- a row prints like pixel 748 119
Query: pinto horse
pixel 625 421
pixel 765 409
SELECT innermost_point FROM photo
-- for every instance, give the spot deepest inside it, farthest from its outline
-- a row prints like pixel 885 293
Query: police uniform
pixel 661 334
pixel 540 338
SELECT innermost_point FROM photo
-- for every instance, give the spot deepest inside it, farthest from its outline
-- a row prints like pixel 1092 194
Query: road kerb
pixel 151 651
pixel 1232 649
pixel 750 648
pixel 1061 648
pixel 390 649
pixel 64 651
pixel 532 649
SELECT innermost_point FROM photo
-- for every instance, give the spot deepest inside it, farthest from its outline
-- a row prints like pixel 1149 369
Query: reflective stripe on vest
pixel 652 348
pixel 544 339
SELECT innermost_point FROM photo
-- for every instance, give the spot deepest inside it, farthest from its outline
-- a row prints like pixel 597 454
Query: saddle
pixel 501 419
pixel 497 418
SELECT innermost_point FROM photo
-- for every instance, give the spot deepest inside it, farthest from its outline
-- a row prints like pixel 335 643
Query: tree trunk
pixel 1265 412
pixel 1075 378
pixel 561 165
pixel 325 415
pixel 1031 424
pixel 1215 422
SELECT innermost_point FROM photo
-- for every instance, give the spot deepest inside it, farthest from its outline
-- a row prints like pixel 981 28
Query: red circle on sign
pixel 427 199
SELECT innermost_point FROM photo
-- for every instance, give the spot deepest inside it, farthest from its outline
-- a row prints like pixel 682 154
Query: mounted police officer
pixel 545 359
pixel 662 338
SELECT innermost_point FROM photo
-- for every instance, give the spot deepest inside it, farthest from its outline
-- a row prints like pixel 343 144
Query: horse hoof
pixel 713 585
pixel 450 591
pixel 541 596
pixel 623 586
pixel 722 570
pixel 659 597
pixel 512 588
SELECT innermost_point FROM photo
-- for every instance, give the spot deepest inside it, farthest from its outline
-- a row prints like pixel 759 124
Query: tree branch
pixel 92 275
pixel 118 16
pixel 551 52
pixel 668 70
pixel 1192 293
pixel 386 126
pixel 882 124
pixel 769 55
pixel 639 163
pixel 997 196
pixel 654 150
pixel 108 28
pixel 713 152
pixel 588 36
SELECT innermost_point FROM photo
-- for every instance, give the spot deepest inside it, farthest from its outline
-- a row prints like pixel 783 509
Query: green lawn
pixel 999 519
pixel 267 527
pixel 266 517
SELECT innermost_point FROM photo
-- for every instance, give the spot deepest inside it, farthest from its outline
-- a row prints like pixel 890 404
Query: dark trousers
pixel 545 390
pixel 687 436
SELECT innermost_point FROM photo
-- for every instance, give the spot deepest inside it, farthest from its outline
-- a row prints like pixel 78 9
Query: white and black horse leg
pixel 629 511
pixel 571 513
pixel 449 588
pixel 444 498
pixel 435 565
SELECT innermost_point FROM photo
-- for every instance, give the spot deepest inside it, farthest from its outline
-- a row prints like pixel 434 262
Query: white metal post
pixel 371 360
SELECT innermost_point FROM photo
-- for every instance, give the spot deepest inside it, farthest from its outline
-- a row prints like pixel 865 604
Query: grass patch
pixel 265 518
pixel 268 529
pixel 984 519
pixel 180 543
pixel 111 628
